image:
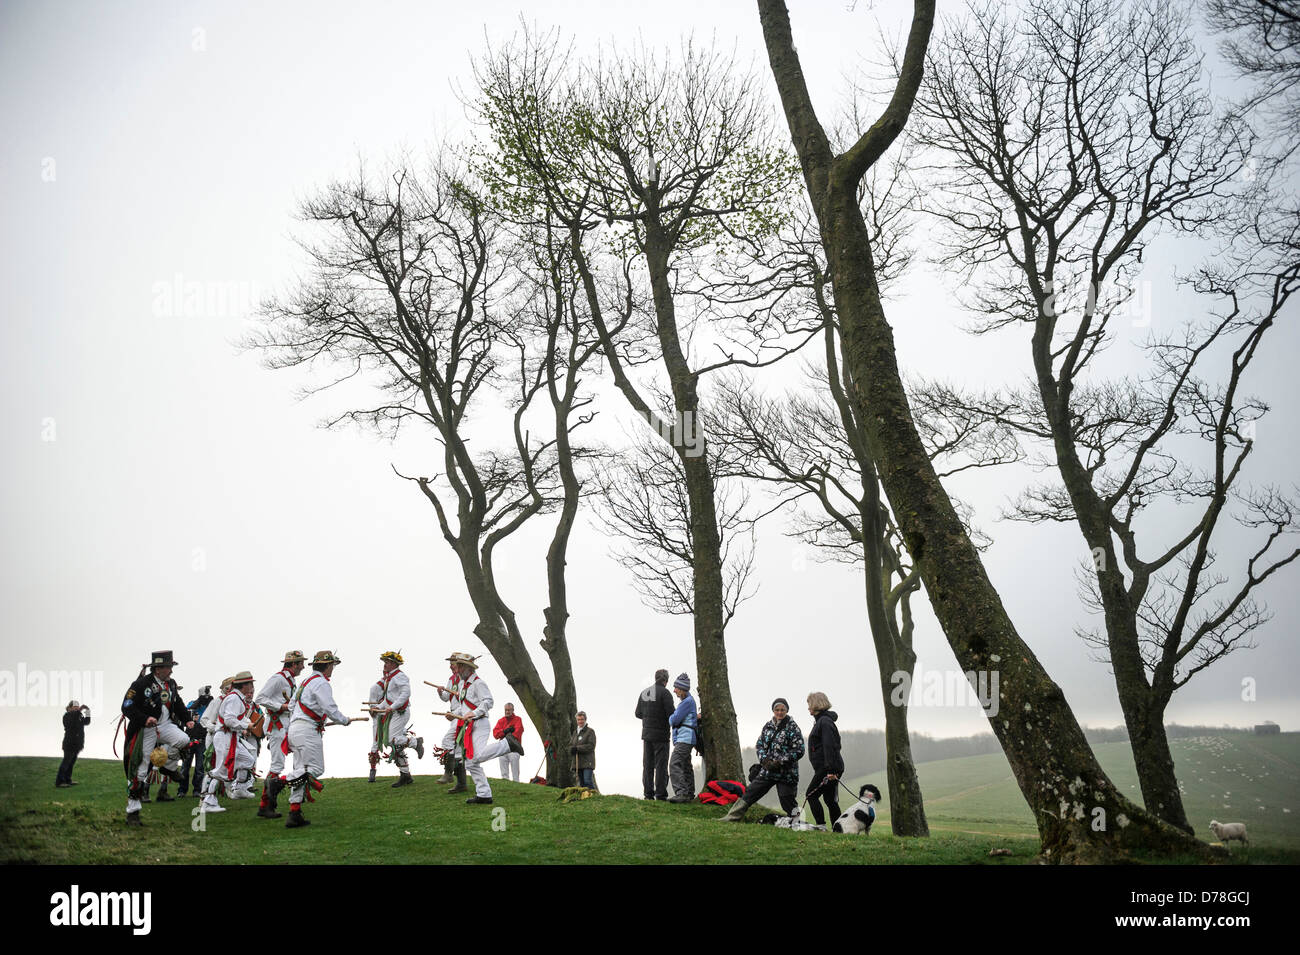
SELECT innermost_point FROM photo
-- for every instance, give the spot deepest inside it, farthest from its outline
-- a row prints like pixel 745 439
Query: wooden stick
pixel 434 685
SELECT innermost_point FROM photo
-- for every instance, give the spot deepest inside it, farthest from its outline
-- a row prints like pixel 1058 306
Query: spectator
pixel 779 747
pixel 583 749
pixel 827 763
pixel 192 757
pixel 514 725
pixel 684 723
pixel 75 720
pixel 653 708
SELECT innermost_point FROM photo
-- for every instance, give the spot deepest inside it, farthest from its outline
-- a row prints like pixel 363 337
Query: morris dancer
pixel 155 717
pixel 313 703
pixel 473 735
pixel 392 712
pixel 276 699
pixel 234 760
pixel 373 699
pixel 449 692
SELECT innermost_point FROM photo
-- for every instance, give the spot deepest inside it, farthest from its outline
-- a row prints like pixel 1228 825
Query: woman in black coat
pixel 827 763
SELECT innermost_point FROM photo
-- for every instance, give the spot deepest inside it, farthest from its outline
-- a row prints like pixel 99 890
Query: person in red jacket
pixel 515 726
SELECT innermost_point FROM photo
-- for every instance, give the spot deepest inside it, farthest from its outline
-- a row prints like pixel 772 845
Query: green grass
pixel 972 803
pixel 355 822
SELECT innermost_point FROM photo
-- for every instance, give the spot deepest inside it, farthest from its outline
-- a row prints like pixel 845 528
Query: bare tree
pixel 662 171
pixel 1071 135
pixel 416 286
pixel 1262 42
pixel 645 505
pixel 1080 814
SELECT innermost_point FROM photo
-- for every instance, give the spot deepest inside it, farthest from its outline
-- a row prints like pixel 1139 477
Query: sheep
pixel 1227 831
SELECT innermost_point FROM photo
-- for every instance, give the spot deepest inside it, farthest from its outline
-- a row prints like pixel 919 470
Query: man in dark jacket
pixel 653 707
pixel 75 720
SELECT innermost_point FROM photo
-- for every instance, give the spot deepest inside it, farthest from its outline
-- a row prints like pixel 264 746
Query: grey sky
pixel 187 501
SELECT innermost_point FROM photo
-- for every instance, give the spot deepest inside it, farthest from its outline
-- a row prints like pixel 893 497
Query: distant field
pixel 972 803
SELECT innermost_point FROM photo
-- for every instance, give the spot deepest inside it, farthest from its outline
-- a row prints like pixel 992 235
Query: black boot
pixel 267 809
pixel 460 777
pixel 372 775
pixel 403 780
pixel 133 819
pixel 296 820
pixel 164 795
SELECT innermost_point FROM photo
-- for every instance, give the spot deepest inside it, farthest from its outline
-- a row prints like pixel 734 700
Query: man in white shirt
pixel 471 708
pixel 391 711
pixel 233 760
pixel 450 692
pixel 276 700
pixel 313 704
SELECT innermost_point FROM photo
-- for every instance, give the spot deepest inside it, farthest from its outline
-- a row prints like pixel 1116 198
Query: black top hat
pixel 162 658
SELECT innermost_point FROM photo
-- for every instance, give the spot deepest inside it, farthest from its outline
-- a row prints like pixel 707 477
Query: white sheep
pixel 1227 831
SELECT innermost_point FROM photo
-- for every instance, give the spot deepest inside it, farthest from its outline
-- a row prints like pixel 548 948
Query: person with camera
pixel 780 745
pixel 75 720
pixel 510 724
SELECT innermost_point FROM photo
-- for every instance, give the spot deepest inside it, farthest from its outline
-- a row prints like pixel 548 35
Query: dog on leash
pixel 859 817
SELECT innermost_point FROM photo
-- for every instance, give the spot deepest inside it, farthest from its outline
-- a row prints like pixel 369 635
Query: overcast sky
pixel 163 490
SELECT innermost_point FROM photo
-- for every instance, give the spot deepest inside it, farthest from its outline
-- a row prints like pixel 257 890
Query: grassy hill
pixel 1231 778
pixel 355 822
pixel 973 805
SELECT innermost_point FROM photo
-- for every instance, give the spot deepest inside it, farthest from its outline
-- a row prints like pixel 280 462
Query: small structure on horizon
pixel 1266 728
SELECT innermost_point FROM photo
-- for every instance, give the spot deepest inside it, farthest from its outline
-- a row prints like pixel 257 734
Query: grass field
pixel 972 803
pixel 1231 778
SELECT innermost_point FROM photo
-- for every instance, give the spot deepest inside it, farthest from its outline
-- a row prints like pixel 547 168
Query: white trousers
pixel 307 744
pixel 234 757
pixel 166 734
pixel 273 740
pixel 485 748
pixel 510 766
pixel 398 737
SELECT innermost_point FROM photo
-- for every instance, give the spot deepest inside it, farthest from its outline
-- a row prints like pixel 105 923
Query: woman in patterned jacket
pixel 779 746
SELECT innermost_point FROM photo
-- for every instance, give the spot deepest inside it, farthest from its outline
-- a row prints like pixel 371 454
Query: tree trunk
pixel 906 808
pixel 718 732
pixel 907 813
pixel 1153 759
pixel 1081 816
pixel 553 714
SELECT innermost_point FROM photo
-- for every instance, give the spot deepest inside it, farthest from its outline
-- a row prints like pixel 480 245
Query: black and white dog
pixel 860 816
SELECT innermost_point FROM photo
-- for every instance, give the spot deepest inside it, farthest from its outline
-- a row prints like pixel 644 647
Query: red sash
pixel 229 762
pixel 320 720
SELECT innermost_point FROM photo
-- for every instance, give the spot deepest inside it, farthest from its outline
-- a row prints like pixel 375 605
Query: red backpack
pixel 721 792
